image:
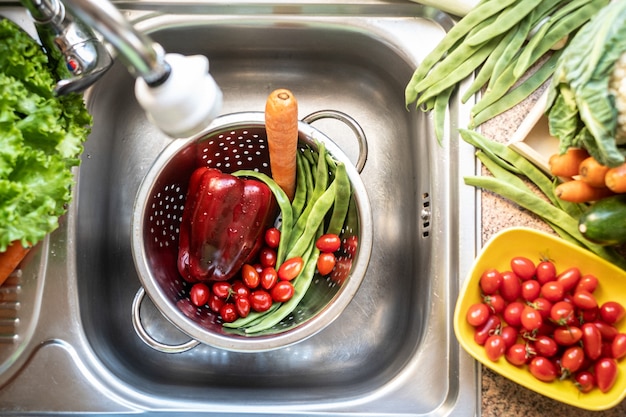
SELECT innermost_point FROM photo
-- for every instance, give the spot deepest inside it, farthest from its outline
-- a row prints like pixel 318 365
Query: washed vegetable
pixel 281 125
pixel 223 224
pixel 587 95
pixel 567 164
pixel 615 178
pixel 41 139
pixel 605 221
pixel 579 191
pixel 502 42
pixel 592 172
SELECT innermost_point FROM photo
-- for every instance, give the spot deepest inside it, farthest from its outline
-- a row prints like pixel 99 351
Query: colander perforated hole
pixel 165 214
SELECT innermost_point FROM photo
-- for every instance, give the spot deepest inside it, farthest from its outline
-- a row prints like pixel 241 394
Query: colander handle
pixel 149 340
pixel 352 124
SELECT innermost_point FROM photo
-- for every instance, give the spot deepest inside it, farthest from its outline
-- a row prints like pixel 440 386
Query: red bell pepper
pixel 222 226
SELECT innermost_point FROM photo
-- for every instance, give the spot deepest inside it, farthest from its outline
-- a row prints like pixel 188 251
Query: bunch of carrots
pixel 587 179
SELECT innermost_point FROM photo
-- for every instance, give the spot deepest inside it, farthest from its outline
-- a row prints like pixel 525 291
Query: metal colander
pixel 231 143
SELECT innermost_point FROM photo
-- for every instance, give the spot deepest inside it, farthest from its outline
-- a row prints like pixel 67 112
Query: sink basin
pixel 391 352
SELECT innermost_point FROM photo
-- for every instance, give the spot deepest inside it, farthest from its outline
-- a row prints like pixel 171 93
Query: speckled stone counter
pixel 500 396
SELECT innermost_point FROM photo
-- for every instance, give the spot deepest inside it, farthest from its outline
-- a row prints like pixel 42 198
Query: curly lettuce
pixel 41 140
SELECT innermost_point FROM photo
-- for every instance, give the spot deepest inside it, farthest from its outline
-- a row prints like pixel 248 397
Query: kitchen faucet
pixel 177 92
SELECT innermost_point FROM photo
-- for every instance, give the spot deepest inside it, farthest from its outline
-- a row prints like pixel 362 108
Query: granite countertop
pixel 500 396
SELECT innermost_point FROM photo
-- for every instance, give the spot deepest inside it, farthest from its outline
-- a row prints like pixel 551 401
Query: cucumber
pixel 605 221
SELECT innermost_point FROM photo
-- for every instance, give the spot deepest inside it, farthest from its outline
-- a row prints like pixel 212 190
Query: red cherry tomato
pixel 239 289
pixel 563 313
pixel 329 242
pixel 607 331
pixel 250 276
pixel 545 271
pixel 569 278
pixel 228 312
pixel 267 257
pixel 513 314
pixel 242 305
pixel 282 291
pixel 509 334
pixel 268 278
pixel 545 346
pixel 221 289
pixel 543 306
pixel 477 314
pixel 325 263
pixel 510 287
pixel 199 294
pixel 530 290
pixel 552 291
pixel 260 300
pixel 584 299
pixel 531 319
pixel 517 354
pixel 272 237
pixel 490 281
pixel 215 303
pixel 585 381
pixel 495 347
pixel 291 268
pixel 618 346
pixel 495 302
pixel 605 370
pixel 612 312
pixel 543 369
pixel 591 340
pixel 587 282
pixel 490 327
pixel 523 267
pixel 567 336
pixel 572 360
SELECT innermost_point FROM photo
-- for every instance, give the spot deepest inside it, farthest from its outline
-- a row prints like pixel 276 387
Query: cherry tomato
pixel 495 347
pixel 523 267
pixel 199 294
pixel 509 334
pixel 250 276
pixel 325 263
pixel 605 370
pixel 587 282
pixel 267 257
pixel 260 300
pixel 591 340
pixel 618 346
pixel 495 302
pixel 221 289
pixel 490 327
pixel 545 271
pixel 585 381
pixel 228 312
pixel 552 291
pixel 282 291
pixel 513 314
pixel 291 268
pixel 608 331
pixel 329 242
pixel 242 305
pixel 477 314
pixel 572 360
pixel 545 346
pixel 268 277
pixel 517 354
pixel 215 303
pixel 612 312
pixel 589 315
pixel 490 281
pixel 350 245
pixel 563 313
pixel 531 319
pixel 238 288
pixel 567 336
pixel 272 237
pixel 543 369
pixel 510 287
pixel 530 290
pixel 569 278
pixel 543 306
pixel 584 299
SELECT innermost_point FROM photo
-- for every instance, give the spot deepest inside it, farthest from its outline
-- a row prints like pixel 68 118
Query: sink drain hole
pixel 425 215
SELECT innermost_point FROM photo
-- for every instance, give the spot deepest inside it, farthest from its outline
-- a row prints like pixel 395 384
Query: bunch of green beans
pixel 320 206
pixel 508 44
pixel 511 175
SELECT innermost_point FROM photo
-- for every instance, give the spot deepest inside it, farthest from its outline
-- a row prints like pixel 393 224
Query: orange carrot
pixel 11 258
pixel 615 179
pixel 593 172
pixel 566 165
pixel 578 191
pixel 281 124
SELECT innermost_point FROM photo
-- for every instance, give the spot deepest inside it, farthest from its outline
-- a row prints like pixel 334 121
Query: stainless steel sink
pixel 392 352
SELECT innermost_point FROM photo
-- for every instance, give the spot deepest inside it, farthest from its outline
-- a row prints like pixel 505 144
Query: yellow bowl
pixel 533 244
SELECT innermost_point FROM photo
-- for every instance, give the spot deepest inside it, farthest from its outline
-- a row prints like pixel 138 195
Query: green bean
pixel 519 93
pixel 498 152
pixel 439 112
pixel 499 172
pixel 283 203
pixel 314 220
pixel 343 192
pixel 299 199
pixel 505 21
